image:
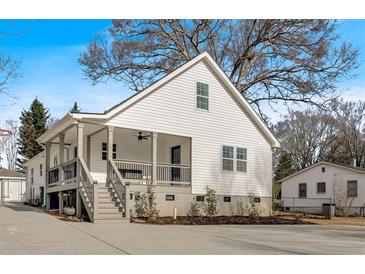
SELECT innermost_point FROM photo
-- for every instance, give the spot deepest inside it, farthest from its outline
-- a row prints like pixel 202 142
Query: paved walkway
pixel 25 230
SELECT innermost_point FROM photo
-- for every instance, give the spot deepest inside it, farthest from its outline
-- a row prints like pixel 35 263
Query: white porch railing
pixel 134 170
pixel 173 173
pixel 116 181
pixel 142 171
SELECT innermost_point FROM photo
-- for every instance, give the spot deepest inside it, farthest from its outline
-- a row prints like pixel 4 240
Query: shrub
pixel 150 206
pixel 139 206
pixel 240 208
pixel 210 202
pixel 251 208
pixel 195 209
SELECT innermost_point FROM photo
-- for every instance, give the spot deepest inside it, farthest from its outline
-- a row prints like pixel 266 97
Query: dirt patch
pixel 321 220
pixel 338 221
pixel 222 220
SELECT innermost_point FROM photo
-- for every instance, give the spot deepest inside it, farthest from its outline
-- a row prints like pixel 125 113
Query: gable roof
pixel 7 173
pixel 351 168
pixel 252 115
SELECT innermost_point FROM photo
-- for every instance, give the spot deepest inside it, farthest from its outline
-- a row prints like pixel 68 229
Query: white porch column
pixel 110 137
pixel 80 145
pixel 1 192
pixel 154 136
pixel 78 203
pixel 61 156
pixel 60 202
pixel 48 160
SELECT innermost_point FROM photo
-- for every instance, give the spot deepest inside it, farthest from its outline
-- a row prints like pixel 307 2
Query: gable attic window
pixel 227 158
pixel 202 96
pixel 323 169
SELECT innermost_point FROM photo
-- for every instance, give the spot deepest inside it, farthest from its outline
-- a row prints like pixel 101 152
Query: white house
pixel 36 179
pixel 324 183
pixel 12 186
pixel 189 130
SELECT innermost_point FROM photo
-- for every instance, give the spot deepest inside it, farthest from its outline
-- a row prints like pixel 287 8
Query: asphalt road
pixel 26 230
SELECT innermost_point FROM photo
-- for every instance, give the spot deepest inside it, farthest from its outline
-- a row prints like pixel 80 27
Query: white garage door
pixel 14 190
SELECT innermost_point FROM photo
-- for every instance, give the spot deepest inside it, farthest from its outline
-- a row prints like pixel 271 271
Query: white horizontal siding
pixel 38 180
pixel 332 176
pixel 172 110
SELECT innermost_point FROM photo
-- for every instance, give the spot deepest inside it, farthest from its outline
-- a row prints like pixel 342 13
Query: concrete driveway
pixel 26 230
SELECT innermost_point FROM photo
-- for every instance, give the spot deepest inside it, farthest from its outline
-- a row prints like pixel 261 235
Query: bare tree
pixel 51 122
pixel 8 74
pixel 267 60
pixel 351 123
pixel 10 143
pixel 342 200
pixel 308 137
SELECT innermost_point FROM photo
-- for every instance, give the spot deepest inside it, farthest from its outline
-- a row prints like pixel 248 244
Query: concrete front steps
pixel 107 205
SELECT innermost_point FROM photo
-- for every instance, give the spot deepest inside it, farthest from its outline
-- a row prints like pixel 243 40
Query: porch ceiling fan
pixel 141 137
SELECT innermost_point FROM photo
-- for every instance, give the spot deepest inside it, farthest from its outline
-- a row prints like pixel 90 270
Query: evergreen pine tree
pixel 33 124
pixel 283 169
pixel 27 136
pixel 75 108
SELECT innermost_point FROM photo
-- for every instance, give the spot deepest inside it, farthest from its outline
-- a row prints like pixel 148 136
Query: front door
pixel 175 160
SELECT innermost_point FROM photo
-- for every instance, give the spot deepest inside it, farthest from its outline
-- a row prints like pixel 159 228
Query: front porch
pixel 87 155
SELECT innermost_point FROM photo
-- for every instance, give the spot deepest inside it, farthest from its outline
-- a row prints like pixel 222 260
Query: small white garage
pixel 12 186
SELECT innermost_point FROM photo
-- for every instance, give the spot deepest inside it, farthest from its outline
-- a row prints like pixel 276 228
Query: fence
pixel 317 206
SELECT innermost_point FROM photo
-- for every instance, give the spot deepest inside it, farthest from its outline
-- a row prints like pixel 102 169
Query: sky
pixel 49 51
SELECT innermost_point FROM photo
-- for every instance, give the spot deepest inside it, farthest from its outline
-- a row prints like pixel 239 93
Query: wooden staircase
pixel 107 204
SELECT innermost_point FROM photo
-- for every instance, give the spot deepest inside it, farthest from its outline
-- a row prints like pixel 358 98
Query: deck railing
pixel 134 170
pixel 142 171
pixel 116 181
pixel 173 173
pixel 53 175
pixel 69 169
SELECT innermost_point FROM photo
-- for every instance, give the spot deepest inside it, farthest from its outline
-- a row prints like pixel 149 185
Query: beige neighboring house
pixel 324 183
pixel 189 130
pixel 36 180
pixel 12 186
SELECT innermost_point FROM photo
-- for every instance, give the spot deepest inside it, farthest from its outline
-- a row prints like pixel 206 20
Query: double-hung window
pixel 228 158
pixel 202 93
pixel 104 151
pixel 303 190
pixel 352 188
pixel 41 170
pixel 241 159
pixel 321 187
pixel 234 159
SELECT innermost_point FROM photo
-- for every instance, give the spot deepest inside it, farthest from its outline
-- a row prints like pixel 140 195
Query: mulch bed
pixel 222 220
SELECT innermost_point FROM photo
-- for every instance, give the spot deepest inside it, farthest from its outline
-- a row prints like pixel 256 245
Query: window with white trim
pixel 202 96
pixel 228 158
pixel 241 155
